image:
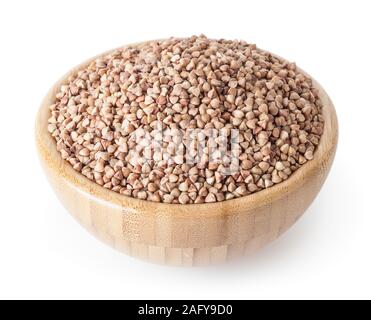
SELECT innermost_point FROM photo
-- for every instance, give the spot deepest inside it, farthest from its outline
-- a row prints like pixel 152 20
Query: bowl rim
pixel 49 155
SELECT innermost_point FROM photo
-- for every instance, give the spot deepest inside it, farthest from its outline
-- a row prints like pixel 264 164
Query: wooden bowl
pixel 185 235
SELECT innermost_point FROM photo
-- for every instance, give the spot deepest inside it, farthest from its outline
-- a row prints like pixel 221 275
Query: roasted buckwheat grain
pixel 105 116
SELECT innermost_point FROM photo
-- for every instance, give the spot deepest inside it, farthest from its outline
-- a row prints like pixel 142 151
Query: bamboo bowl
pixel 185 235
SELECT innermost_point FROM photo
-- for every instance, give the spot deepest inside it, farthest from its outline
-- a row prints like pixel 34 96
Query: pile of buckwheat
pixel 234 120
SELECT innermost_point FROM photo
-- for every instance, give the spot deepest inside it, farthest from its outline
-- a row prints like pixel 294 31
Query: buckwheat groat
pixel 187 120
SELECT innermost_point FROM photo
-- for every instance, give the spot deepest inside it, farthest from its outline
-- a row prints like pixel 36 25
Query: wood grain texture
pixel 185 235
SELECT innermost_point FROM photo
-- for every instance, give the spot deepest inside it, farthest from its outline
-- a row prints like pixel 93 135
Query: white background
pixel 44 253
